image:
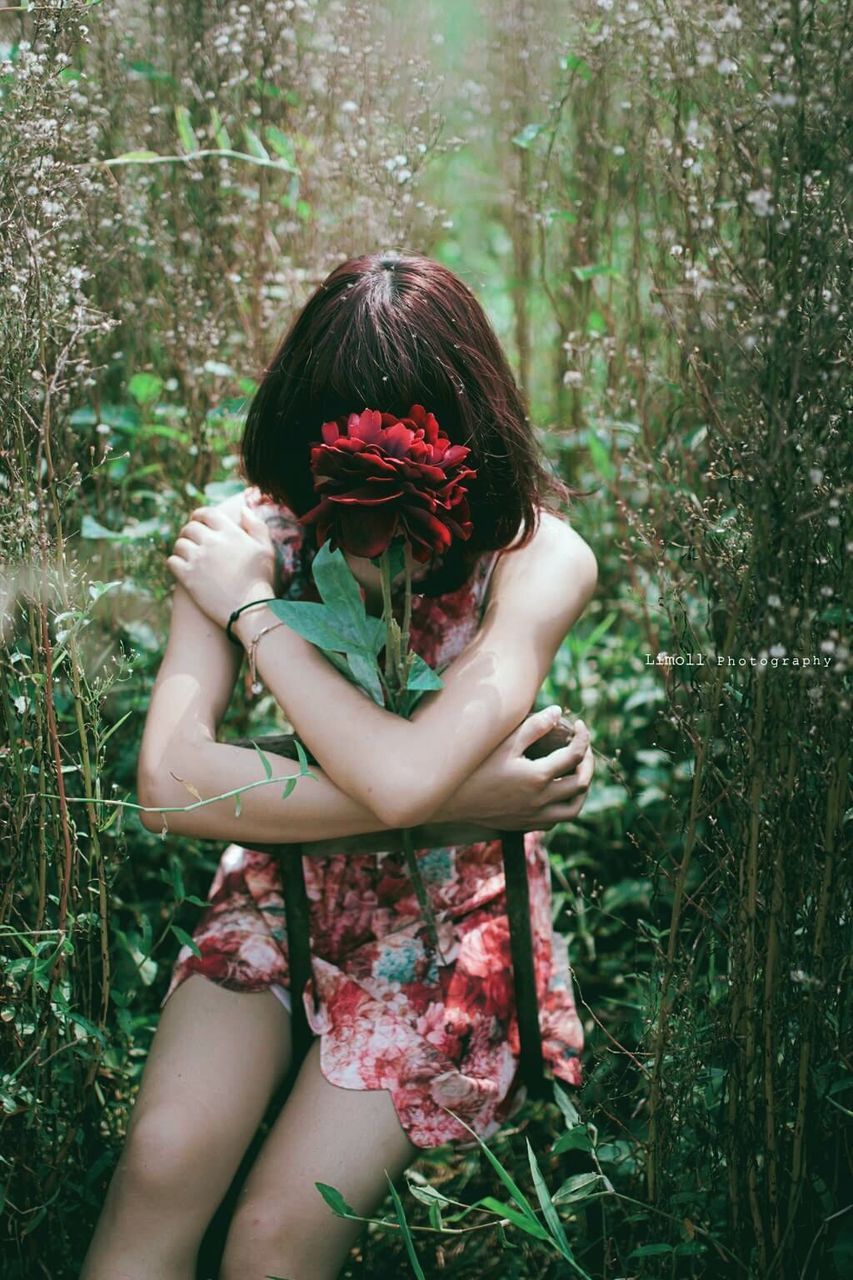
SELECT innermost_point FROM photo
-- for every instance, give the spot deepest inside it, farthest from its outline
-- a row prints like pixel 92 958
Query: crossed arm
pixel 405 770
pixel 388 772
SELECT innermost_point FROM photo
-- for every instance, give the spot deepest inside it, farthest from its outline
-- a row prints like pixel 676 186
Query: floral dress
pixel 435 1033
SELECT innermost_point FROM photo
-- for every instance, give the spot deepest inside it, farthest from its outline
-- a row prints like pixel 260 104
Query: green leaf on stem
pixel 304 768
pixel 404 1227
pixel 364 672
pixel 531 1226
pixel 185 939
pixel 575 1139
pixel 335 1201
pixel 314 622
pixel 186 133
pixel 264 761
pixel 421 675
pixel 339 591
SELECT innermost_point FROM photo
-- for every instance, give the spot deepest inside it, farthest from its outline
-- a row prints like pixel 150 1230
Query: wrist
pixel 259 589
pixel 254 615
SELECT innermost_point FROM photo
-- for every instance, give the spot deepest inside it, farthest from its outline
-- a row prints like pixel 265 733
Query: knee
pixel 162 1156
pixel 264 1237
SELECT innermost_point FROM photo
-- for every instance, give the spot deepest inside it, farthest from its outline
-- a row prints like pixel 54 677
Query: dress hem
pixel 505 1109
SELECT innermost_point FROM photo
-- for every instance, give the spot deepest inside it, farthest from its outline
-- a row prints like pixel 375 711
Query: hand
pixel 223 564
pixel 510 792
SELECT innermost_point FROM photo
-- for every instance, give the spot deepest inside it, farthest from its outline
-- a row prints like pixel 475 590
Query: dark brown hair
pixel 386 331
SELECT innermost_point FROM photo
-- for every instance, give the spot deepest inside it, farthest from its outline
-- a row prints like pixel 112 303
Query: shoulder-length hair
pixel 386 331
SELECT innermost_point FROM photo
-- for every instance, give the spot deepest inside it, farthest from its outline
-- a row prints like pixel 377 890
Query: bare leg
pixel 344 1137
pixel 216 1059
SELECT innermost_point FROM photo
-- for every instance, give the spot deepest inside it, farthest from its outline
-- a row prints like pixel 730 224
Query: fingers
pixel 184 546
pixel 255 526
pixel 535 727
pixel 177 567
pixel 576 784
pixel 210 516
pixel 564 810
pixel 193 530
pixel 565 759
pixel 554 813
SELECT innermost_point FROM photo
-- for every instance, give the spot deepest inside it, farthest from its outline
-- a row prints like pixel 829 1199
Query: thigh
pixel 346 1138
pixel 218 1053
pixel 216 1059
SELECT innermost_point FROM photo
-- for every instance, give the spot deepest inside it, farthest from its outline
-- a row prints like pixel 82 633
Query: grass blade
pixel 550 1213
pixel 506 1178
pixel 404 1227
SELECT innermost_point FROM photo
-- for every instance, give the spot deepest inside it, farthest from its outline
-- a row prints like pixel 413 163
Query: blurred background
pixel 651 198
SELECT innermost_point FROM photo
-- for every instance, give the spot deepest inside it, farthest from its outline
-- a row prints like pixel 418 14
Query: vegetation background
pixel 651 198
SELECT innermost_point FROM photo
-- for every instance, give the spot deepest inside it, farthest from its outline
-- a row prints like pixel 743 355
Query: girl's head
pixel 386 331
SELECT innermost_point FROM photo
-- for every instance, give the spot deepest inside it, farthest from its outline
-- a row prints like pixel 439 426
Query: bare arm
pixel 190 695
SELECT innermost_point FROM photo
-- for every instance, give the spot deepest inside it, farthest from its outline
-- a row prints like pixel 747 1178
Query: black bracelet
pixel 235 614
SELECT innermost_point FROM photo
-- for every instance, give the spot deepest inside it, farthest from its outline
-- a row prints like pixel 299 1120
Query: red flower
pixel 388 475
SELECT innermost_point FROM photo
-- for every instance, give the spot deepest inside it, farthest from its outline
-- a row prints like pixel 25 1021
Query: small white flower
pixel 761 201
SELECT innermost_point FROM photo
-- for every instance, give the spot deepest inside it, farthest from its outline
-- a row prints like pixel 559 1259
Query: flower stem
pixel 407 626
pixel 397 662
pixel 421 891
pixel 391 650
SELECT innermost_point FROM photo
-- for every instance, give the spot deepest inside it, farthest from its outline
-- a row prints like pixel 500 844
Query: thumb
pixel 253 523
pixel 536 726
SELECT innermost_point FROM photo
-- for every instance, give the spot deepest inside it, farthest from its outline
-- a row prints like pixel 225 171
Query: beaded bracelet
pixel 235 614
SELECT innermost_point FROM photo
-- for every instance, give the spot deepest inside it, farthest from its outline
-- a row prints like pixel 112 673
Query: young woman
pixel 400 1038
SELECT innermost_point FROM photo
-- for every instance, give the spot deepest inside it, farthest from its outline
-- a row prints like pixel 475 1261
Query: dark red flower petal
pixel 378 474
pixel 367 531
pixel 368 495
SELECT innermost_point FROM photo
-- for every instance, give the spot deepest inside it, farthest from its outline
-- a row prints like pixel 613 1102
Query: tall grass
pixel 654 203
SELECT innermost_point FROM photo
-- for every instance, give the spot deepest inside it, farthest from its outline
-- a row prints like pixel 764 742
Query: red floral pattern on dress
pixel 390 1017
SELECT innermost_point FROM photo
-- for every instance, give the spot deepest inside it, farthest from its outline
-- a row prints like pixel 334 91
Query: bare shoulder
pixel 554 551
pixel 546 584
pixel 563 547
